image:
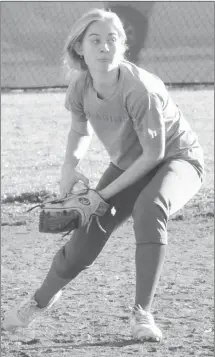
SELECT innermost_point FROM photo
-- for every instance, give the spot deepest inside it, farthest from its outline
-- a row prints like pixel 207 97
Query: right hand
pixel 69 177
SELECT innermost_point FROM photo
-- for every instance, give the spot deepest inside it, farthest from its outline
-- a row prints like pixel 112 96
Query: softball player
pixel 156 165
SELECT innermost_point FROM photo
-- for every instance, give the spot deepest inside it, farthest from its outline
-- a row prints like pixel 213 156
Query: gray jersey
pixel 139 110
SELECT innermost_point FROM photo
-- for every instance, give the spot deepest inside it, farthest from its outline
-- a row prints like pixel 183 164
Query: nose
pixel 104 47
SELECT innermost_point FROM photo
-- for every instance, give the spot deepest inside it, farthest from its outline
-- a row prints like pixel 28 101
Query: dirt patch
pixel 92 317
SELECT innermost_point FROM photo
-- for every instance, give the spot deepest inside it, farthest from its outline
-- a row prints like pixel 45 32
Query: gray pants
pixel 150 202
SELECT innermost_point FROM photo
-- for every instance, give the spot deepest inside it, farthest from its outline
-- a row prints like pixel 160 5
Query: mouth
pixel 104 60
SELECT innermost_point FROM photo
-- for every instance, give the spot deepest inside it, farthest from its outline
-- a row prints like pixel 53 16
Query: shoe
pixel 143 326
pixel 26 313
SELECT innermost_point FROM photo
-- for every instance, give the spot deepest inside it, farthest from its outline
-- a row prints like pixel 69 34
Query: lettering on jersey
pixel 107 117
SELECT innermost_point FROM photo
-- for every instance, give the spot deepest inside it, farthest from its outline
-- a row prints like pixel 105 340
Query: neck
pixel 105 80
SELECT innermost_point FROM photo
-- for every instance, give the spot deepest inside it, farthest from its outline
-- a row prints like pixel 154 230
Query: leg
pixel 83 248
pixel 78 254
pixel 174 184
pixel 150 257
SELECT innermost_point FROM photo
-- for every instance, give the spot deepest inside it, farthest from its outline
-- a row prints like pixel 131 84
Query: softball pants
pixel 150 202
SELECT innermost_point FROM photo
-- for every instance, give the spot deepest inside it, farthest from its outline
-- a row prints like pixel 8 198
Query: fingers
pixel 67 186
pixel 62 192
pixel 84 179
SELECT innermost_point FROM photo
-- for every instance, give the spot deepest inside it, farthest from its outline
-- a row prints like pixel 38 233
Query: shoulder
pixel 75 91
pixel 139 79
pixel 134 90
pixel 140 85
pixel 77 81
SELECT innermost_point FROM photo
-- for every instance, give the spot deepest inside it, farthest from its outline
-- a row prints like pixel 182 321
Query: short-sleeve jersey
pixel 139 110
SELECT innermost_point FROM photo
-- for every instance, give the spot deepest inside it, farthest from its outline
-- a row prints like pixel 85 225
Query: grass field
pixel 92 317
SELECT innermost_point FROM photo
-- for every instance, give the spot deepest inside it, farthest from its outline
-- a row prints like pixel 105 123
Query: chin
pixel 112 66
pixel 105 67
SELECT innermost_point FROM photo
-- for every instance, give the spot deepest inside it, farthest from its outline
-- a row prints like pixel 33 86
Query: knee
pixel 67 266
pixel 150 221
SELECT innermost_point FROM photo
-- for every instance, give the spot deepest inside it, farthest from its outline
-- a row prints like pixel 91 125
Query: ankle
pixel 143 307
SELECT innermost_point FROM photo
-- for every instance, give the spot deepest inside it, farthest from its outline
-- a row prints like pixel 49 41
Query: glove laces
pixel 97 221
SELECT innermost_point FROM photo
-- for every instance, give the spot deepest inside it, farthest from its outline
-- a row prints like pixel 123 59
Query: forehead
pixel 105 27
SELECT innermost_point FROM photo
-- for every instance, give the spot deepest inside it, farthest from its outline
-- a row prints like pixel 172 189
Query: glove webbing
pixel 69 231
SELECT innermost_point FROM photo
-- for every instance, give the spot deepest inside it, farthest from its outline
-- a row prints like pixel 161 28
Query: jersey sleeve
pixel 74 99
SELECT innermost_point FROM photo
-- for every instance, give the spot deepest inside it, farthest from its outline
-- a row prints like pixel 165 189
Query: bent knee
pixel 150 222
pixel 69 267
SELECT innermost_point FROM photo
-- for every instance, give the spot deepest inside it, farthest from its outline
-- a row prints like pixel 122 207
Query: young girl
pixel 156 165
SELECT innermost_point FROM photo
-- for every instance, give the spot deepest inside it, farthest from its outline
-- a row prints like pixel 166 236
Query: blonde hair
pixel 71 59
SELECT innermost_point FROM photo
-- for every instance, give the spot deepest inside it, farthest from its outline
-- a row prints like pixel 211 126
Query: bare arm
pixel 78 143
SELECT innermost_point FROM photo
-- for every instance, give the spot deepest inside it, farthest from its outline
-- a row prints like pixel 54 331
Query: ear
pixel 78 48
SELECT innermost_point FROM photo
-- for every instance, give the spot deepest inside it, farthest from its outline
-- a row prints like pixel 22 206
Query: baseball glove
pixel 73 211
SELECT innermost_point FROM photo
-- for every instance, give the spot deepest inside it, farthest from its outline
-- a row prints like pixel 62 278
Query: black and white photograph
pixel 107 178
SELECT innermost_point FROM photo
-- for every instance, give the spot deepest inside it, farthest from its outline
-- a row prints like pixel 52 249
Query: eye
pixel 113 39
pixel 96 41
